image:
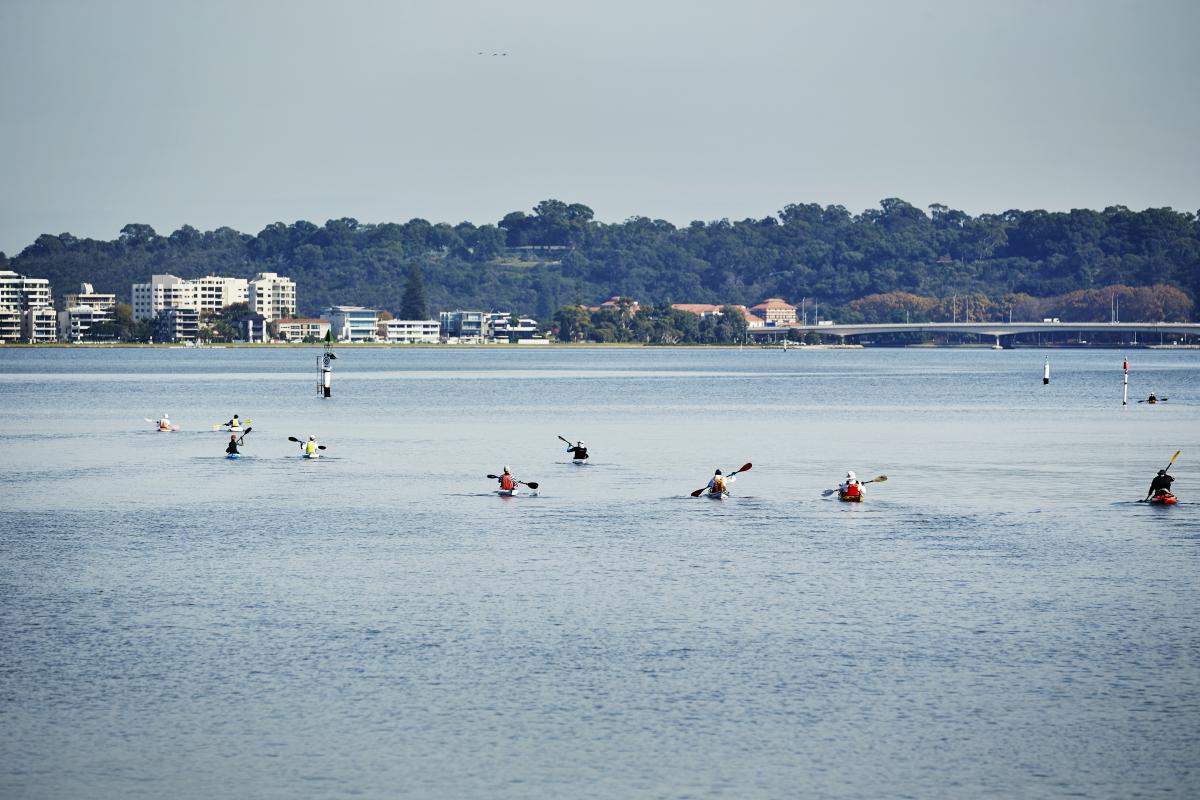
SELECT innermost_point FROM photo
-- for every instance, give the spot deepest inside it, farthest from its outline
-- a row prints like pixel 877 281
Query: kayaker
pixel 717 484
pixel 310 447
pixel 1161 484
pixel 232 448
pixel 578 451
pixel 850 487
pixel 234 423
pixel 164 424
pixel 1153 398
pixel 506 481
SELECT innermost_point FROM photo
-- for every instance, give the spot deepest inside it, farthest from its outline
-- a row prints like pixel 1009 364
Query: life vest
pixel 163 425
pixel 853 490
pixel 506 482
pixel 718 484
pixel 310 447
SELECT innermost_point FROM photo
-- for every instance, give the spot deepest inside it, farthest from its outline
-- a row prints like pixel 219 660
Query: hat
pixel 718 472
pixel 850 476
pixel 506 470
pixel 312 438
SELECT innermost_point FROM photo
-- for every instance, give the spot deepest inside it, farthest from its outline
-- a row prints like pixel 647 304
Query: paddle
pixel 1156 400
pixel 745 468
pixel 1167 468
pixel 301 441
pixel 242 438
pixel 877 479
pixel 568 441
pixel 531 484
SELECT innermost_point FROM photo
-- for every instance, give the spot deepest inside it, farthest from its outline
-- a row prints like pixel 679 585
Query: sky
pixel 241 114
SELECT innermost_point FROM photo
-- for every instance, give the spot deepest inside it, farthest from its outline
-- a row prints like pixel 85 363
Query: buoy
pixel 1046 374
pixel 1125 389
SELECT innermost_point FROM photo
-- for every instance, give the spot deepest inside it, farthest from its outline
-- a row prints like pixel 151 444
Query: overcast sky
pixel 245 113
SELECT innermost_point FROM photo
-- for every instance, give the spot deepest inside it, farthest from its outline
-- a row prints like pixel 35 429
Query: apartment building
pixel 297 330
pixel 177 325
pixel 353 323
pixel 88 296
pixel 774 311
pixel 25 306
pixel 463 325
pixel 160 293
pixel 411 331
pixel 502 328
pixel 75 321
pixel 272 296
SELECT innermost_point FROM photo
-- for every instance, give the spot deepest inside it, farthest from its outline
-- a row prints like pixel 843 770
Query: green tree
pixel 414 305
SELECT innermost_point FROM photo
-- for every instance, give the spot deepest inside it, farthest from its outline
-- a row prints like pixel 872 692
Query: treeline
pixel 559 255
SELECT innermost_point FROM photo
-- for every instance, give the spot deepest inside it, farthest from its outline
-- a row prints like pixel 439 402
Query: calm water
pixel 999 619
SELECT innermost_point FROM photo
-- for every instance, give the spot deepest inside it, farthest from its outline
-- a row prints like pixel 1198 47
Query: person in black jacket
pixel 232 449
pixel 1161 484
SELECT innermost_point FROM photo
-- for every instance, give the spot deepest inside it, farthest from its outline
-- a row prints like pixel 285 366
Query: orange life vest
pixel 506 482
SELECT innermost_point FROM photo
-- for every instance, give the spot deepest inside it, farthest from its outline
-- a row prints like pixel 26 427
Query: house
pixel 703 310
pixel 411 331
pixel 298 330
pixel 353 323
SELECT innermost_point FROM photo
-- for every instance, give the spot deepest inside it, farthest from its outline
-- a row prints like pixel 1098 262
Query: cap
pixel 718 472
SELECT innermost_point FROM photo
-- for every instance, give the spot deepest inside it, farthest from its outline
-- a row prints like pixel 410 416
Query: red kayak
pixel 1164 499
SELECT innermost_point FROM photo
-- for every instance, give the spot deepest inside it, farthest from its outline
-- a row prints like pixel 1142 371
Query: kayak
pixel 310 455
pixel 507 492
pixel 846 498
pixel 233 455
pixel 167 430
pixel 578 461
pixel 717 495
pixel 1166 499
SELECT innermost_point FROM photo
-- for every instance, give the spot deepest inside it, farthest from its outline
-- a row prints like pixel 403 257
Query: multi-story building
pixel 87 296
pixel 214 292
pixel 775 311
pixel 208 294
pixel 411 331
pixel 177 325
pixel 39 325
pixel 10 324
pixel 162 292
pixel 463 325
pixel 25 304
pixel 272 296
pixel 75 322
pixel 353 323
pixel 500 328
pixel 297 330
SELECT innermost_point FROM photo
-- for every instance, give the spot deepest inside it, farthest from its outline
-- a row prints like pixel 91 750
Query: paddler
pixel 164 424
pixel 507 483
pixel 717 484
pixel 1153 398
pixel 850 487
pixel 232 448
pixel 1160 485
pixel 310 447
pixel 577 451
pixel 234 423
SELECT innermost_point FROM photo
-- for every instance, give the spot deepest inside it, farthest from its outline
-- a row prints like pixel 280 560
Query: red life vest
pixel 506 482
pixel 853 490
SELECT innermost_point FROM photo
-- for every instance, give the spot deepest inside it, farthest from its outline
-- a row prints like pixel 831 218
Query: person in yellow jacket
pixel 310 447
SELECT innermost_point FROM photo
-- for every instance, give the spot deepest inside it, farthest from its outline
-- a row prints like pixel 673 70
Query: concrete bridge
pixel 997 329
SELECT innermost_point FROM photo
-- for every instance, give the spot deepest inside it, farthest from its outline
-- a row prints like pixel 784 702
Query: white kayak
pixel 717 495
pixel 508 492
pixel 310 455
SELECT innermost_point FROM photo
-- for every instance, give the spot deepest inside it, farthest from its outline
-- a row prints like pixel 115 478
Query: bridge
pixel 996 329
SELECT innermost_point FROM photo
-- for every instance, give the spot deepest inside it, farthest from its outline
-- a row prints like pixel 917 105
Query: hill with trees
pixel 876 265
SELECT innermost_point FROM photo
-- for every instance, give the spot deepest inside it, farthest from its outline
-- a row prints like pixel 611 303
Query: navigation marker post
pixel 1125 390
pixel 1046 373
pixel 325 368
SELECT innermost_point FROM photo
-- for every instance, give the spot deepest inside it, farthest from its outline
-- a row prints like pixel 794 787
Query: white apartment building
pixel 10 324
pixel 353 323
pixel 272 296
pixel 17 291
pixel 207 294
pixel 214 293
pixel 39 324
pixel 87 296
pixel 297 330
pixel 76 321
pixel 411 331
pixel 163 291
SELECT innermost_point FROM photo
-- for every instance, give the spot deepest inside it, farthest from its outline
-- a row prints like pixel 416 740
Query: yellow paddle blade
pixel 880 479
pixel 1172 461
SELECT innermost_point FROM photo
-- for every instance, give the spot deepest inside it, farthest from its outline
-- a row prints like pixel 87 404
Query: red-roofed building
pixel 703 310
pixel 775 311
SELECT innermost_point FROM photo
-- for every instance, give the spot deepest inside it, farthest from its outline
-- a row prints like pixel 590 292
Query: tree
pixel 414 305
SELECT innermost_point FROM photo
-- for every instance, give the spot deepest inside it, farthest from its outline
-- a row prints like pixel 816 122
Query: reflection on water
pixel 998 618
